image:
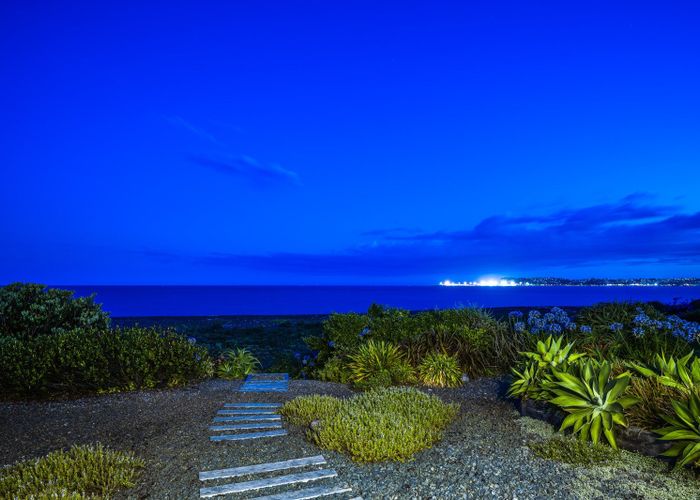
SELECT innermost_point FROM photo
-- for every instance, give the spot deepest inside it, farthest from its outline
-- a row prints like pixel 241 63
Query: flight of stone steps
pixel 253 420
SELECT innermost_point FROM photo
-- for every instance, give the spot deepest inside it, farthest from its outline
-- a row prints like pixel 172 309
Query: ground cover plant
pixel 377 425
pixel 74 351
pixel 81 472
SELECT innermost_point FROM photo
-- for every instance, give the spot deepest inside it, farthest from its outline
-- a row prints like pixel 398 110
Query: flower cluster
pixel 556 321
pixel 673 325
pixel 616 327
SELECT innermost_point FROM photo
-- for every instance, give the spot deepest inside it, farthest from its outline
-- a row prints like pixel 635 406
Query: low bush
pixel 29 310
pixel 81 472
pixel 378 425
pixel 237 364
pixel 334 370
pixel 379 364
pixel 80 361
pixel 439 369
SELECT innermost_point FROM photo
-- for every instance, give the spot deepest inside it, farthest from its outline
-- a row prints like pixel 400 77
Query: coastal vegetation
pixel 52 343
pixel 82 472
pixel 378 425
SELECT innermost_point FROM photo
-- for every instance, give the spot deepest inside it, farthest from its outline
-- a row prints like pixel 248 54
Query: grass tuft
pixel 90 471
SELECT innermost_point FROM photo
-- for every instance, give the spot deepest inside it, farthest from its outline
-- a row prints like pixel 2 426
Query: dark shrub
pixel 28 310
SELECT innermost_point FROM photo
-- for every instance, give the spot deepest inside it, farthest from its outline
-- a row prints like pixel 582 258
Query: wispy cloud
pixel 220 156
pixel 246 166
pixel 631 231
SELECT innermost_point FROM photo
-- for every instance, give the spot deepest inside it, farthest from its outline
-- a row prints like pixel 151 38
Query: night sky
pixel 347 142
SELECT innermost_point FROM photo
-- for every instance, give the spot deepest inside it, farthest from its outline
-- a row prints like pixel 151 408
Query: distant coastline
pixel 508 281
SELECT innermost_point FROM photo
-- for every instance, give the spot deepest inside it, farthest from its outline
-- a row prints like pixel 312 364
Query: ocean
pixel 140 301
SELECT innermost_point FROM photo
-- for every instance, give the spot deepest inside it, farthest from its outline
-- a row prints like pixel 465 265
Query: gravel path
pixel 484 454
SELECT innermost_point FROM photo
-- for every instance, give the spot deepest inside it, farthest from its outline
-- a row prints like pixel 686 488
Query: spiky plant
pixel 684 427
pixel 682 374
pixel 594 399
pixel 238 363
pixel 439 369
pixel 377 363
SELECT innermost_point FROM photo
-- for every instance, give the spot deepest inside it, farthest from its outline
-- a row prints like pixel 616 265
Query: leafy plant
pixel 99 361
pixel 334 370
pixel 379 364
pixel 594 400
pixel 378 425
pixel 684 427
pixel 682 374
pixel 238 363
pixel 82 472
pixel 531 381
pixel 29 310
pixel 440 370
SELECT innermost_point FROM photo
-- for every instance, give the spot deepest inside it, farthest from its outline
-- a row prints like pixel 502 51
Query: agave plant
pixel 532 380
pixel 685 428
pixel 593 398
pixel 379 363
pixel 682 374
pixel 550 353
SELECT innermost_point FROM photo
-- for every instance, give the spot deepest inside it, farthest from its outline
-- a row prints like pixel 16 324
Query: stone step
pixel 239 427
pixel 307 493
pixel 248 418
pixel 260 468
pixel 248 435
pixel 257 484
pixel 252 405
pixel 246 412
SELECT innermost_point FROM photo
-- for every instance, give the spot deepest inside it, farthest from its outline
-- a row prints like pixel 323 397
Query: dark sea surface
pixel 131 301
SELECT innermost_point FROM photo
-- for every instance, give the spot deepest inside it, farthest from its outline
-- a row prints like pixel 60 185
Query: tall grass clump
pixel 82 472
pixel 379 364
pixel 378 425
pixel 439 369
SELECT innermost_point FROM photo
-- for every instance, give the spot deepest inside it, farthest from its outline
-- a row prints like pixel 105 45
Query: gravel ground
pixel 484 454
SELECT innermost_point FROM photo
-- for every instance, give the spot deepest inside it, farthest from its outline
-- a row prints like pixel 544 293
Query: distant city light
pixel 483 282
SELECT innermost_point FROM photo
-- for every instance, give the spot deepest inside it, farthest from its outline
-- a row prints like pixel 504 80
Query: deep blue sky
pixel 347 142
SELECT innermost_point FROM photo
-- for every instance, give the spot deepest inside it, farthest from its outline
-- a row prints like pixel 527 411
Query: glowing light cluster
pixel 482 282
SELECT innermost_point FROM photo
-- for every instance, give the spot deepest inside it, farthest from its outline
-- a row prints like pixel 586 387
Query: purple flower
pixel 192 340
pixel 638 331
pixel 331 344
pixel 616 327
pixel 515 314
pixel 586 329
pixel 519 326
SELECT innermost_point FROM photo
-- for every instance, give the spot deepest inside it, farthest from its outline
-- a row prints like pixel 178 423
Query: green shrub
pixel 440 370
pixel 80 361
pixel 379 364
pixel 334 370
pixel 81 472
pixel 28 310
pixel 574 451
pixel 594 400
pixel 344 331
pixel 237 364
pixel 383 424
pixel 684 429
pixel 482 344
